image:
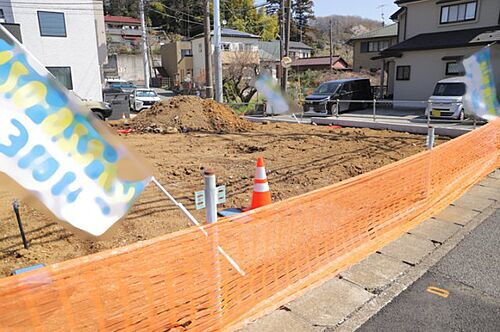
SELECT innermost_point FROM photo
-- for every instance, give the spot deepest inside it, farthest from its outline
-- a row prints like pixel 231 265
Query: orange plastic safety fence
pixel 179 281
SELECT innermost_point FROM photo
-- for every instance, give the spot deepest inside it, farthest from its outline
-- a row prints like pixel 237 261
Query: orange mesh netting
pixel 179 281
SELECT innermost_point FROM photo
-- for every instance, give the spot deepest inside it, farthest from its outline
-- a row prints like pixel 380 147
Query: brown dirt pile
pixel 189 114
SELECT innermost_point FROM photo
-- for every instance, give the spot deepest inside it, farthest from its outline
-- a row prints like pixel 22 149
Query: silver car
pixel 446 101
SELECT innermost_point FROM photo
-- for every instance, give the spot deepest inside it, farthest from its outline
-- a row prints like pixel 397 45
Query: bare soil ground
pixel 299 158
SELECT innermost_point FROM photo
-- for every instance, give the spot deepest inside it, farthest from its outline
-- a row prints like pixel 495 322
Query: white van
pixel 143 98
pixel 447 99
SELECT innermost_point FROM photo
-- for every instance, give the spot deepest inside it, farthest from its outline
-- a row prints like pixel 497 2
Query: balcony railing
pixel 129 32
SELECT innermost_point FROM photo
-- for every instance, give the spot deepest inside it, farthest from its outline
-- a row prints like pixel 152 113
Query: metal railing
pixel 408 108
pixel 375 109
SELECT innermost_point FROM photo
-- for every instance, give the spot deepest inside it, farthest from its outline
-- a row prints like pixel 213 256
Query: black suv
pixel 323 101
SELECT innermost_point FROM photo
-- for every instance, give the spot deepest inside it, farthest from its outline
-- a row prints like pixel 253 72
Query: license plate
pixel 311 109
pixel 436 113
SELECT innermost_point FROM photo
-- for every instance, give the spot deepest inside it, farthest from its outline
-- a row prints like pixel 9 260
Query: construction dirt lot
pixel 299 158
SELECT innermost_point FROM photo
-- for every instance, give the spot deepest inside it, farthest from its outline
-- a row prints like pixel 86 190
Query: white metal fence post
pixel 374 109
pixel 210 197
pixel 429 113
pixel 430 137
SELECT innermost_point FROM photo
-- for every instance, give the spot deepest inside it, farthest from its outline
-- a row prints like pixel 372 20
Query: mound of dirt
pixel 188 114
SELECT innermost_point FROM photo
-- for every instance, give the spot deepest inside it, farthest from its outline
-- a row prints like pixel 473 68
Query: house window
pixel 454 68
pixel 52 24
pixel 186 52
pixel 459 13
pixel 403 73
pixel 374 46
pixel 63 75
pixel 2 16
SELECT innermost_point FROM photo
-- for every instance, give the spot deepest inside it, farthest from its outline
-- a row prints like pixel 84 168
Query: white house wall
pixel 78 50
pixel 424 17
pixel 427 67
pixel 198 47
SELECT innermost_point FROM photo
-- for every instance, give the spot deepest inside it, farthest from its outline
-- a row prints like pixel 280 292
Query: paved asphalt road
pixel 469 274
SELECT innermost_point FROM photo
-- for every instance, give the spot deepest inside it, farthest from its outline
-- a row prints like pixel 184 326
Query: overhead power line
pixel 179 11
pixel 172 16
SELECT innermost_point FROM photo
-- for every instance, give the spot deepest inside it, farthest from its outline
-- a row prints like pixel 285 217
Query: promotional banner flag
pixel 57 151
pixel 276 100
pixel 481 95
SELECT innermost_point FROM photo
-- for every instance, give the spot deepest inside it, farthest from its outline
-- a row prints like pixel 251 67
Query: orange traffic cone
pixel 261 195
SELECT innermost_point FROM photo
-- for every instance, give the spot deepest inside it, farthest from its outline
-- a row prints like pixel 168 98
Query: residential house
pixel 123 31
pixel 434 36
pixel 296 49
pixel 269 54
pixel 177 61
pixel 236 46
pixel 368 45
pixel 319 63
pixel 125 59
pixel 69 40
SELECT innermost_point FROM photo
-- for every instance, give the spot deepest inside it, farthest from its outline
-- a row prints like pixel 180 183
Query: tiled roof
pixel 387 31
pixel 300 45
pixel 447 39
pixel 236 33
pixel 121 19
pixel 230 33
pixel 400 2
pixel 395 15
pixel 272 48
pixel 317 61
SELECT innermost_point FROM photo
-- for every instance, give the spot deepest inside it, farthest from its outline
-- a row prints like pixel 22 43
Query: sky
pixel 363 8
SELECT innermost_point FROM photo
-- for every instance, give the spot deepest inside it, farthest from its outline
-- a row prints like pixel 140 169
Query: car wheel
pixel 333 110
pixel 461 116
pixel 98 115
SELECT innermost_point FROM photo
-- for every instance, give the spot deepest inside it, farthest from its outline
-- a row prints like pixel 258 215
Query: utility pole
pixel 331 44
pixel 208 52
pixel 145 55
pixel 288 18
pixel 217 59
pixel 281 18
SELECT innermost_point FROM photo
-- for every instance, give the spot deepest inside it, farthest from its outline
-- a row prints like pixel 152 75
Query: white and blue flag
pixel 481 95
pixel 53 148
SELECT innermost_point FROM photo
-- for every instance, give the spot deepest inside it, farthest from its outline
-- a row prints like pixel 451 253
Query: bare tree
pixel 240 69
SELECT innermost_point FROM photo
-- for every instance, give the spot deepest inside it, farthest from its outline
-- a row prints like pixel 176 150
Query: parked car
pixel 143 98
pixel 447 99
pixel 102 110
pixel 124 87
pixel 121 85
pixel 323 100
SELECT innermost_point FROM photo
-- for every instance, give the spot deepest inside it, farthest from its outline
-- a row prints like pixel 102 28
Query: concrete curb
pixel 414 128
pixel 410 128
pixel 271 119
pixel 377 303
pixel 347 301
